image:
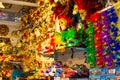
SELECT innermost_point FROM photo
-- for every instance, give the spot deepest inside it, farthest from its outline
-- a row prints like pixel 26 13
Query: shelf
pixel 82 49
pixel 23 3
pixel 12 23
pixel 12 62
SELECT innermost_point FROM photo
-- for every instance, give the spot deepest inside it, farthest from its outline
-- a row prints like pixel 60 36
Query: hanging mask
pixel 63 23
pixel 37 32
pixel 14 41
pixel 75 10
pixel 14 38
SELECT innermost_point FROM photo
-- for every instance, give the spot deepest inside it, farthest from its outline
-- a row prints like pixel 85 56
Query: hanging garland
pixel 89 40
pixel 106 38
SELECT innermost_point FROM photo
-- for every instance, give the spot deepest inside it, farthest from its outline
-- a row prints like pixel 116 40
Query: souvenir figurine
pixel 53 71
pixel 58 73
pixel 82 14
pixel 85 71
pixel 14 38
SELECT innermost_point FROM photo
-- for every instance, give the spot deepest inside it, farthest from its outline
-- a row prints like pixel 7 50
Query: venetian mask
pixel 75 10
pixel 63 23
pixel 37 32
pixel 14 38
pixel 13 41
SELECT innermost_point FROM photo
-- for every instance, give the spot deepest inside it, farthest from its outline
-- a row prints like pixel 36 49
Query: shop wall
pixel 78 57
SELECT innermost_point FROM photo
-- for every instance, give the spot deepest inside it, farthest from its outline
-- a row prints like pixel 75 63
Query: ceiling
pixel 12 11
pixel 14 8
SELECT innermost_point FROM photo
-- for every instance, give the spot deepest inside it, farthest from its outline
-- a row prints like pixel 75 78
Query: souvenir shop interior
pixel 59 40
